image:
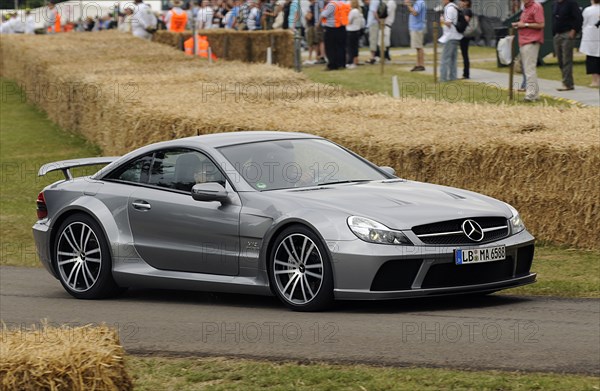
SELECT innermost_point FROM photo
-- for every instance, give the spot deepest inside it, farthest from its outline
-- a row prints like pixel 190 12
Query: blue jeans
pixel 449 56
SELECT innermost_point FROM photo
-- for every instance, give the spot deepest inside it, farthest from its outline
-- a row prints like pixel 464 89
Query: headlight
pixel 516 224
pixel 373 232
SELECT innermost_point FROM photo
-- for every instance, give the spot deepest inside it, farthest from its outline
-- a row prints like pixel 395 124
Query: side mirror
pixel 388 170
pixel 209 191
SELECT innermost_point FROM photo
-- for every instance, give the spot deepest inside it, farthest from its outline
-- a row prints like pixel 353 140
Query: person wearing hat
pixel 205 15
pixel 176 18
pixel 125 23
pixel 7 25
pixel 19 24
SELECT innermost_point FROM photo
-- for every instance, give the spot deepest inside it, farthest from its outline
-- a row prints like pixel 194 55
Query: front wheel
pixel 83 259
pixel 300 271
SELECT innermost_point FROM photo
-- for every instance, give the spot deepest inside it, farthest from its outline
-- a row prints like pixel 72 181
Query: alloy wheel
pixel 298 269
pixel 79 256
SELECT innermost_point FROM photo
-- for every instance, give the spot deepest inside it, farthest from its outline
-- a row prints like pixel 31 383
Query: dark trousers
pixel 386 53
pixel 563 48
pixel 464 51
pixel 335 47
pixel 352 37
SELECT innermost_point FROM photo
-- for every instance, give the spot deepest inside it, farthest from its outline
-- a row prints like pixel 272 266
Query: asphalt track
pixel 495 332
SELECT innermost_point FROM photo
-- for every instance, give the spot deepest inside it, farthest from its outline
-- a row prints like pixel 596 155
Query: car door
pixel 172 231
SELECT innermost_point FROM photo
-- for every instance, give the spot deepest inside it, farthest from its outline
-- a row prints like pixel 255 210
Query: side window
pixel 178 169
pixel 181 169
pixel 135 171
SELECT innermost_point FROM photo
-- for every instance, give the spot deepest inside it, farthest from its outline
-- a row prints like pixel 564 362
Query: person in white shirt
pixel 387 31
pixel 451 39
pixel 143 21
pixel 205 16
pixel 590 41
pixel 356 22
pixel 253 21
pixel 7 25
pixel 12 23
pixel 29 22
pixel 373 27
pixel 125 22
pixel 19 24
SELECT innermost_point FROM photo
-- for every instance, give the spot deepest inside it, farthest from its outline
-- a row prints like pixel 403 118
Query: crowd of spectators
pixel 140 20
pixel 15 25
pixel 333 30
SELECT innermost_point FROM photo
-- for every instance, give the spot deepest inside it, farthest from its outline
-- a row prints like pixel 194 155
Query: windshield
pixel 273 165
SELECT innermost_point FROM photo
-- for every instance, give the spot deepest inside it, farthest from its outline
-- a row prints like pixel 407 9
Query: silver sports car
pixel 288 214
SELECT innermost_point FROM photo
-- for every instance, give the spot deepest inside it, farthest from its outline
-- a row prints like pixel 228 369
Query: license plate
pixel 478 255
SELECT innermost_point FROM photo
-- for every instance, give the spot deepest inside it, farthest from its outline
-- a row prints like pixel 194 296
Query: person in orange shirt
pixel 176 18
pixel 53 18
pixel 334 19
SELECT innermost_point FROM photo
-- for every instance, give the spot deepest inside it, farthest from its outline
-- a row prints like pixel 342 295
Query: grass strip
pixel 240 374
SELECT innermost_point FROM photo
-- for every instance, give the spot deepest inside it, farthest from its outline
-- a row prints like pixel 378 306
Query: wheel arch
pixel 269 241
pixel 93 208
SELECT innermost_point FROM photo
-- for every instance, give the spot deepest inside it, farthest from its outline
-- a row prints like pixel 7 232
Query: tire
pixel 300 271
pixel 82 259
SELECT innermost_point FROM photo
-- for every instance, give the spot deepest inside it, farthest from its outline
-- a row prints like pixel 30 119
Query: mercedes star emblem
pixel 473 230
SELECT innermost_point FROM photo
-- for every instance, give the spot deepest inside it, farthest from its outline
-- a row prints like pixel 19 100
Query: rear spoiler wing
pixel 66 165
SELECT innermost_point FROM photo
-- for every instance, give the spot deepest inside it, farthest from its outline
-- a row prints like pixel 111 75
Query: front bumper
pixel 364 271
pixel 347 294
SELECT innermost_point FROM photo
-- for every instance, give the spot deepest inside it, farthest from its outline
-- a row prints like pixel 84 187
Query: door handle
pixel 141 205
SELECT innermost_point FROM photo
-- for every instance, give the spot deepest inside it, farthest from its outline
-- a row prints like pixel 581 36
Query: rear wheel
pixel 300 270
pixel 82 259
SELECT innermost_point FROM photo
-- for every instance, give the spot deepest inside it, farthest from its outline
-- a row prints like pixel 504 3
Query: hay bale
pixel 217 44
pixel 283 48
pixel 245 46
pixel 240 46
pixel 260 41
pixel 167 38
pixel 62 358
pixel 526 156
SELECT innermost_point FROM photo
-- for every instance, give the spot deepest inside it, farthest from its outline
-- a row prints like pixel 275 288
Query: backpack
pixel 382 10
pixel 461 22
pixel 472 29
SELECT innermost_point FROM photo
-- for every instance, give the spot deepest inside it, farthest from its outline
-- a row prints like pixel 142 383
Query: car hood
pixel 398 204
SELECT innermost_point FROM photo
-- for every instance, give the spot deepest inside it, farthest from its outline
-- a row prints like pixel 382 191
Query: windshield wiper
pixel 346 181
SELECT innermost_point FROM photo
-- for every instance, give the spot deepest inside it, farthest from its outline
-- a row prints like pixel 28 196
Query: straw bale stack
pixel 543 160
pixel 245 46
pixel 62 358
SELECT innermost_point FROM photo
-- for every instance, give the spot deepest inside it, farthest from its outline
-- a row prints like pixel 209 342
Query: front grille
pixel 524 259
pixel 445 275
pixel 396 275
pixel 450 232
